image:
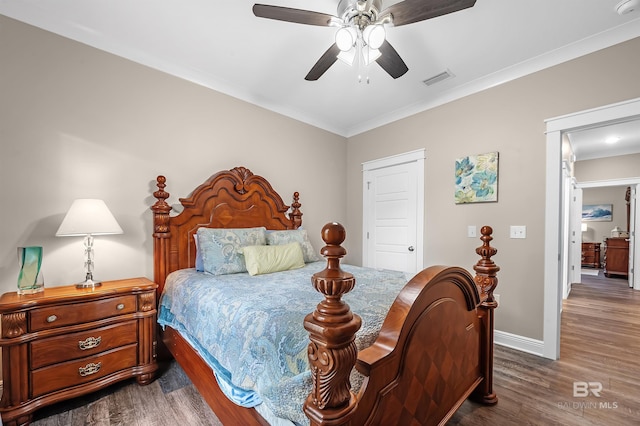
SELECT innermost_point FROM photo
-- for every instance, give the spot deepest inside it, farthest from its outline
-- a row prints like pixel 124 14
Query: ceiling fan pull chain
pixel 360 59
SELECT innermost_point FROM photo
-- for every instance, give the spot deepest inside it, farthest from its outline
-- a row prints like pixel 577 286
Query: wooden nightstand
pixel 591 255
pixel 66 342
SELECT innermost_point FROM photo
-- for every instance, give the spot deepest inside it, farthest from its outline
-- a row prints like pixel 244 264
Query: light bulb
pixel 344 39
pixel 374 35
pixel 611 140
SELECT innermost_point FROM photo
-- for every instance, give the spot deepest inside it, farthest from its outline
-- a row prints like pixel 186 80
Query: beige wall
pixel 620 167
pixel 76 122
pixel 509 119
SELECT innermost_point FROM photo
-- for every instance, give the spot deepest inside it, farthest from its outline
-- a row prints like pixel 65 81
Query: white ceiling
pixel 596 142
pixel 223 46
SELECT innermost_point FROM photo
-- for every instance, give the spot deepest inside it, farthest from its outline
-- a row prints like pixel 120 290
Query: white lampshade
pixel 88 217
pixel 347 56
pixel 374 35
pixel 370 55
pixel 345 38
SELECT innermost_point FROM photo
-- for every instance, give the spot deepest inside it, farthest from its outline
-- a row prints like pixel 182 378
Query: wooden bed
pixel 435 348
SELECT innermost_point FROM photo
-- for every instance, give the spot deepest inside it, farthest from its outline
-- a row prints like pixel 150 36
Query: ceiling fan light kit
pixel 361 36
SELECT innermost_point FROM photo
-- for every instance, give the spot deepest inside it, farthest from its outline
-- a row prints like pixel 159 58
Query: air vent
pixel 444 75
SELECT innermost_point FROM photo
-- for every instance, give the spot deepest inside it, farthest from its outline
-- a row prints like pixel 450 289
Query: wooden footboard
pixel 434 350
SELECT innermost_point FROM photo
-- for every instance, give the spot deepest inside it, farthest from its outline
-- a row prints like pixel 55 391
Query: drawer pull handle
pixel 89 369
pixel 120 306
pixel 89 343
pixel 51 318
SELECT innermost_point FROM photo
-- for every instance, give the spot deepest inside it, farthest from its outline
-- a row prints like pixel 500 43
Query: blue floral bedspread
pixel 250 329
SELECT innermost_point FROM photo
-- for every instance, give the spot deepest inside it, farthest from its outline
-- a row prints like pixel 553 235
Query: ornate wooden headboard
pixel 233 198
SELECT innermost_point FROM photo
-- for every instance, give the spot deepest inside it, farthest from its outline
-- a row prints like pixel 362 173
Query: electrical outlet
pixel 471 231
pixel 518 232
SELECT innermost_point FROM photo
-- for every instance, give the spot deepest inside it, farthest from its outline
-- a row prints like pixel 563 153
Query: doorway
pixel 393 212
pixel 622 217
pixel 555 231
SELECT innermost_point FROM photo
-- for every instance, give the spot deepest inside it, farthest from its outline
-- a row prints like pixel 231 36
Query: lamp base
pixel 89 282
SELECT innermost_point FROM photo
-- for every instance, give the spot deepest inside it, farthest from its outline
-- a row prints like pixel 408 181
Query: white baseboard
pixel 521 343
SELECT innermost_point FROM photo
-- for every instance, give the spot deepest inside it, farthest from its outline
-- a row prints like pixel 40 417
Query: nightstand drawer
pixel 57 349
pixel 68 374
pixel 58 316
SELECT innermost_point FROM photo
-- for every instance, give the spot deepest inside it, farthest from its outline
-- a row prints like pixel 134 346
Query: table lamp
pixel 88 217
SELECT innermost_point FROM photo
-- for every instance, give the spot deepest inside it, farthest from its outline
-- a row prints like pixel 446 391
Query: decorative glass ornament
pixel 30 278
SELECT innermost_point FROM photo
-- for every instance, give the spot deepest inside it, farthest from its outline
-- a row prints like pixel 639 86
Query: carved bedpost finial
pixel 296 214
pixel 161 233
pixel 161 209
pixel 486 269
pixel 486 281
pixel 332 328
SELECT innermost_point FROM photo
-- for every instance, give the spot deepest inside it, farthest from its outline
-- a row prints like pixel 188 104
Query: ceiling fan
pixel 361 29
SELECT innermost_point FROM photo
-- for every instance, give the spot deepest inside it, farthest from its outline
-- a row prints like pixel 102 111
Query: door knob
pixel 411 248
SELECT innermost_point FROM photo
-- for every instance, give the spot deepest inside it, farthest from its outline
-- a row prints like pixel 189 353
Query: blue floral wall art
pixel 477 179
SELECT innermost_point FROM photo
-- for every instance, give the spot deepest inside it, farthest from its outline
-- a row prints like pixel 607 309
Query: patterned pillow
pixel 220 248
pixel 278 238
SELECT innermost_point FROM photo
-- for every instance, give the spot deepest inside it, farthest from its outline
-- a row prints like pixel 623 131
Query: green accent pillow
pixel 268 259
pixel 276 238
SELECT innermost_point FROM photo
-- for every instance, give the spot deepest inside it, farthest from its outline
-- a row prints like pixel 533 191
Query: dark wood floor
pixel 169 401
pixel 600 344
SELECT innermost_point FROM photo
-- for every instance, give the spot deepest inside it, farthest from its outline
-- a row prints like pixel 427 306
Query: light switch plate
pixel 471 231
pixel 518 231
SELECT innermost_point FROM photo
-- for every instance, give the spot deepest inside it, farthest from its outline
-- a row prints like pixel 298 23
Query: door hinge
pixel 368 185
pixel 367 235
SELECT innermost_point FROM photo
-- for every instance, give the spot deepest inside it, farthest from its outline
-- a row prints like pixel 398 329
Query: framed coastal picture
pixel 597 212
pixel 476 179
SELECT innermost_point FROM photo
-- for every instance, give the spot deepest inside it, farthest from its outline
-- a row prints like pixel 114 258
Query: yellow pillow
pixel 268 259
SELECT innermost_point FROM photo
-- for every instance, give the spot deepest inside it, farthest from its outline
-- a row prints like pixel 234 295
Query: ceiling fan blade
pixel 390 61
pixel 410 11
pixel 288 14
pixel 326 60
